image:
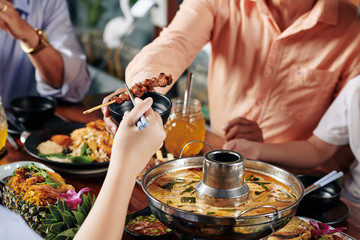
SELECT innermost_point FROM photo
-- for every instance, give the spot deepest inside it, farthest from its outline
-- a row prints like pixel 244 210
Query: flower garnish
pixel 72 198
pixel 323 228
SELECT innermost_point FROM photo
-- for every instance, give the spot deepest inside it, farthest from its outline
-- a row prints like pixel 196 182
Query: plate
pixel 339 213
pixel 45 134
pixel 8 169
pixel 343 235
pixel 144 212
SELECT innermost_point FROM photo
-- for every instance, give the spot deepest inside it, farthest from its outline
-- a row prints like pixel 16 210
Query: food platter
pixel 8 169
pixel 45 134
pixel 344 236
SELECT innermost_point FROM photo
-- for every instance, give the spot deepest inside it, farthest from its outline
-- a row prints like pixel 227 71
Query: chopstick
pixel 332 176
pixel 98 106
pixel 142 123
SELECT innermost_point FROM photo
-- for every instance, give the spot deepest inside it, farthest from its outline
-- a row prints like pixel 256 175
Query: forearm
pixel 297 154
pixel 106 219
pixel 50 65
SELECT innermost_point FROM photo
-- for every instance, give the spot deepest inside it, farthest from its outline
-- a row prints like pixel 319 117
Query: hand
pixel 243 128
pixel 11 22
pixel 245 147
pixel 132 148
pixel 111 126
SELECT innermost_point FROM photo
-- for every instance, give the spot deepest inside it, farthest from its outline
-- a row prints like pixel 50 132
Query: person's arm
pixel 47 60
pixel 296 154
pixel 178 44
pixel 132 149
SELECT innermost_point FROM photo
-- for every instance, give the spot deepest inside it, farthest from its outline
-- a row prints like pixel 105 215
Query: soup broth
pixel 178 189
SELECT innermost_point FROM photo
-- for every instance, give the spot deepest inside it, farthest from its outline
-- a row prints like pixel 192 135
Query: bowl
pixel 221 227
pixel 144 212
pixel 33 111
pixel 161 104
pixel 321 199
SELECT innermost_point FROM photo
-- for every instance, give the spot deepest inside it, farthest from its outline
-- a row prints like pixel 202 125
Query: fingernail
pixel 224 126
pixel 113 130
pixel 148 100
pixel 138 100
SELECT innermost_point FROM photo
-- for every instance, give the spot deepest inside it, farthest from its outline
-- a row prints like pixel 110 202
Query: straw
pixel 187 90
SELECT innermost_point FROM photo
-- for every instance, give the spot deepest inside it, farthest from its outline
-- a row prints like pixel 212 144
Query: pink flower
pixel 323 228
pixel 72 198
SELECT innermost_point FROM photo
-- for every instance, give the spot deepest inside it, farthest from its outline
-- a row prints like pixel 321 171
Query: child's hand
pixel 133 148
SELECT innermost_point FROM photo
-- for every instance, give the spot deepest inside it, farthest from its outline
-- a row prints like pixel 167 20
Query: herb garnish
pixel 169 186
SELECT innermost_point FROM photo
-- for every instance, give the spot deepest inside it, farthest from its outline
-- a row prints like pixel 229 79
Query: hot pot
pixel 219 227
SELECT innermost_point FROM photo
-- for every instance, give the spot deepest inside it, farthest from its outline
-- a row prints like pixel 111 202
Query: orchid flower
pixel 72 198
pixel 323 228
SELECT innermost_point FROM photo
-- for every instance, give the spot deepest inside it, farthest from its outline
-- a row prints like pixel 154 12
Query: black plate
pixel 45 134
pixel 146 211
pixel 340 212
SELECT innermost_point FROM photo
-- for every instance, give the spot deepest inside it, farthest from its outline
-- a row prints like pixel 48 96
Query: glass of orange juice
pixel 185 124
pixel 3 129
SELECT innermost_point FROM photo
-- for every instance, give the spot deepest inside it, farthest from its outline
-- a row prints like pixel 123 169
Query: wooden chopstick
pixel 98 106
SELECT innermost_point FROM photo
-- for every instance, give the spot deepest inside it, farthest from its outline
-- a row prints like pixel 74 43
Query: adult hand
pixel 242 128
pixel 245 147
pixel 11 22
pixel 111 126
pixel 133 148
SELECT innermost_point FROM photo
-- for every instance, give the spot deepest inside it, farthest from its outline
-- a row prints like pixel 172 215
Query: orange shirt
pixel 284 81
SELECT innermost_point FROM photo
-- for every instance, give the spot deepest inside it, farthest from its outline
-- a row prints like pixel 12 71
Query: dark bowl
pixel 144 212
pixel 161 104
pixel 33 111
pixel 321 199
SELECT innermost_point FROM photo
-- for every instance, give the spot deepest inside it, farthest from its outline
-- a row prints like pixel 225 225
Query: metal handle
pixel 194 142
pixel 265 206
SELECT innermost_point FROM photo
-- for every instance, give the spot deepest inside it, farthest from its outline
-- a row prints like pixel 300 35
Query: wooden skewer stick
pixel 98 106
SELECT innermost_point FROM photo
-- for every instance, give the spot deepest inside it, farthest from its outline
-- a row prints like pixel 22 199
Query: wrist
pixel 36 42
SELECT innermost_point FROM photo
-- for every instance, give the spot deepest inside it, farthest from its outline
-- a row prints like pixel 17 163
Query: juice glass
pixel 185 124
pixel 3 129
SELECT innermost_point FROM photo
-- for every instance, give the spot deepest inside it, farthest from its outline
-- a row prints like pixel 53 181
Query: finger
pixel 237 121
pixel 110 125
pixel 105 109
pixel 229 145
pixel 140 108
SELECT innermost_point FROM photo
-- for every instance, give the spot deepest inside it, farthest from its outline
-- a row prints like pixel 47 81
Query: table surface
pixel 73 113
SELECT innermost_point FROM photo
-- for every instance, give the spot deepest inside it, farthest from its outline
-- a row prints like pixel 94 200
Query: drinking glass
pixel 185 124
pixel 3 129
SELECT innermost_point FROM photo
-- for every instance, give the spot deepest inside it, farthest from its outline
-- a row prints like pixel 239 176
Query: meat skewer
pixel 139 89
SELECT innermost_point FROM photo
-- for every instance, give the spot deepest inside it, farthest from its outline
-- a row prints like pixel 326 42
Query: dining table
pixel 73 112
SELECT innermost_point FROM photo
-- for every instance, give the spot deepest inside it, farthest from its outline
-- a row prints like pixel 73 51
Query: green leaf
pixel 69 232
pixel 79 217
pixel 81 210
pixel 55 212
pixel 86 203
pixel 69 219
pixel 48 221
pixel 56 228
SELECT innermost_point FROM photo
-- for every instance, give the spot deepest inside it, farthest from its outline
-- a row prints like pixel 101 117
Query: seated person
pixel 339 126
pixel 39 52
pixel 106 219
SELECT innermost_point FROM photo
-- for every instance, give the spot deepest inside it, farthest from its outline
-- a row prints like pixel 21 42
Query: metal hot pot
pixel 222 179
